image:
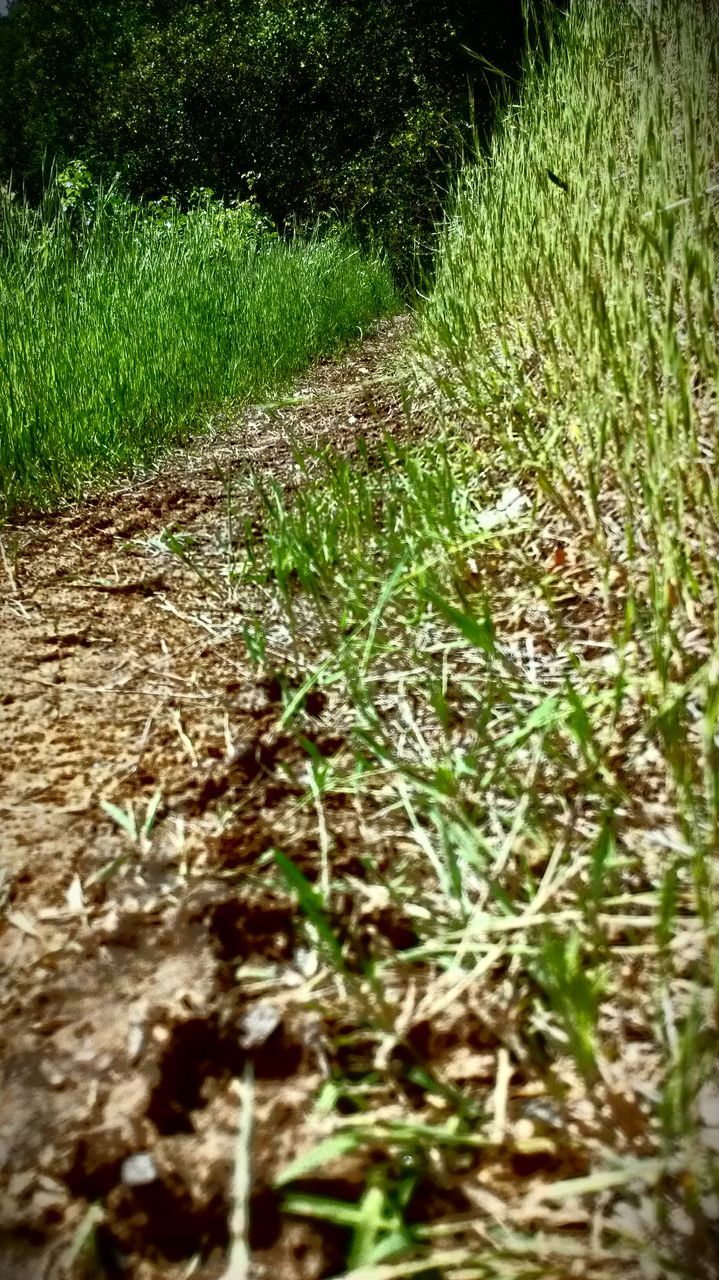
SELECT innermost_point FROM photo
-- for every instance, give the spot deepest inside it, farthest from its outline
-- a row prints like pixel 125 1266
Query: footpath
pixel 141 775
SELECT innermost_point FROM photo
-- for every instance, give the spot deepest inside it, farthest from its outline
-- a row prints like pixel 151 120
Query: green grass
pixel 528 670
pixel 121 329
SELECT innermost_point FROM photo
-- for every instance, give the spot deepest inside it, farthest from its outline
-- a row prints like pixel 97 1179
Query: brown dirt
pixel 125 1025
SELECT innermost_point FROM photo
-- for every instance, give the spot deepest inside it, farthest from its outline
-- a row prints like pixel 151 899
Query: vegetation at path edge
pixel 123 327
pixel 529 672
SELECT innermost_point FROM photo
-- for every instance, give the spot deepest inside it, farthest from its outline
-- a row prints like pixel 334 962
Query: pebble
pixel 139 1170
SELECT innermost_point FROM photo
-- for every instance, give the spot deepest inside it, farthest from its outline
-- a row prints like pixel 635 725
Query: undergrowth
pixel 514 622
pixel 122 328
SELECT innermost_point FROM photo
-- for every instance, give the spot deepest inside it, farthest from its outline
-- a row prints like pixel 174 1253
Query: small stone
pixel 306 961
pixel 258 1024
pixel 139 1170
pixel 524 1130
pixel 543 1111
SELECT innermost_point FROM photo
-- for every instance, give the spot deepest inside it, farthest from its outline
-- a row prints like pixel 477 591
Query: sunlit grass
pixel 121 331
pixel 516 624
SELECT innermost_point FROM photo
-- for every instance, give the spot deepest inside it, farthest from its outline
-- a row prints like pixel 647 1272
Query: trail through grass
pixel 515 623
pixel 503 629
pixel 122 329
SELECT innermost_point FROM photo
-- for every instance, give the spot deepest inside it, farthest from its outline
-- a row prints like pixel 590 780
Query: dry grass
pixel 514 623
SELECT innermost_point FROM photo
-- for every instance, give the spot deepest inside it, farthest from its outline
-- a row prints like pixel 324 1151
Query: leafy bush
pixel 313 106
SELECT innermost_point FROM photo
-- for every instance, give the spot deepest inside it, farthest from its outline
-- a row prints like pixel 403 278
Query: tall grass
pixel 528 664
pixel 121 328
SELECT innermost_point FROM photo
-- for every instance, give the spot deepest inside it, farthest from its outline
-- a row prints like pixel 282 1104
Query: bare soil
pixel 124 680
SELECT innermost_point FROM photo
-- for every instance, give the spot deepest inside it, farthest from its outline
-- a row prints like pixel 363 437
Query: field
pixel 432 775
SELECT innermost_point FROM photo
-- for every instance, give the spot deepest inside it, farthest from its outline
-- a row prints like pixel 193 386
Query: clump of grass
pixel 123 327
pixel 515 623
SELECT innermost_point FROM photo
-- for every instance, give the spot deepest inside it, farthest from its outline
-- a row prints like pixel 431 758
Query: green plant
pixel 123 327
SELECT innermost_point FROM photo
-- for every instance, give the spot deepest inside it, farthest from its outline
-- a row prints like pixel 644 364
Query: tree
pixel 316 106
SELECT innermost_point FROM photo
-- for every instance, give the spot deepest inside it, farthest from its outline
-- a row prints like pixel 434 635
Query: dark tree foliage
pixel 344 106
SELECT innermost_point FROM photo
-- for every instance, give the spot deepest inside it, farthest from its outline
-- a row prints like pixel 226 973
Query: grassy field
pixel 121 329
pixel 529 672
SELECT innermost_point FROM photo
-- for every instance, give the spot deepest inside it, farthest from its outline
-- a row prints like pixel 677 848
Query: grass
pixel 514 623
pixel 122 329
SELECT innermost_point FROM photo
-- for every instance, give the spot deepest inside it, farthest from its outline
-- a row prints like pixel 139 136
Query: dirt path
pixel 123 679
